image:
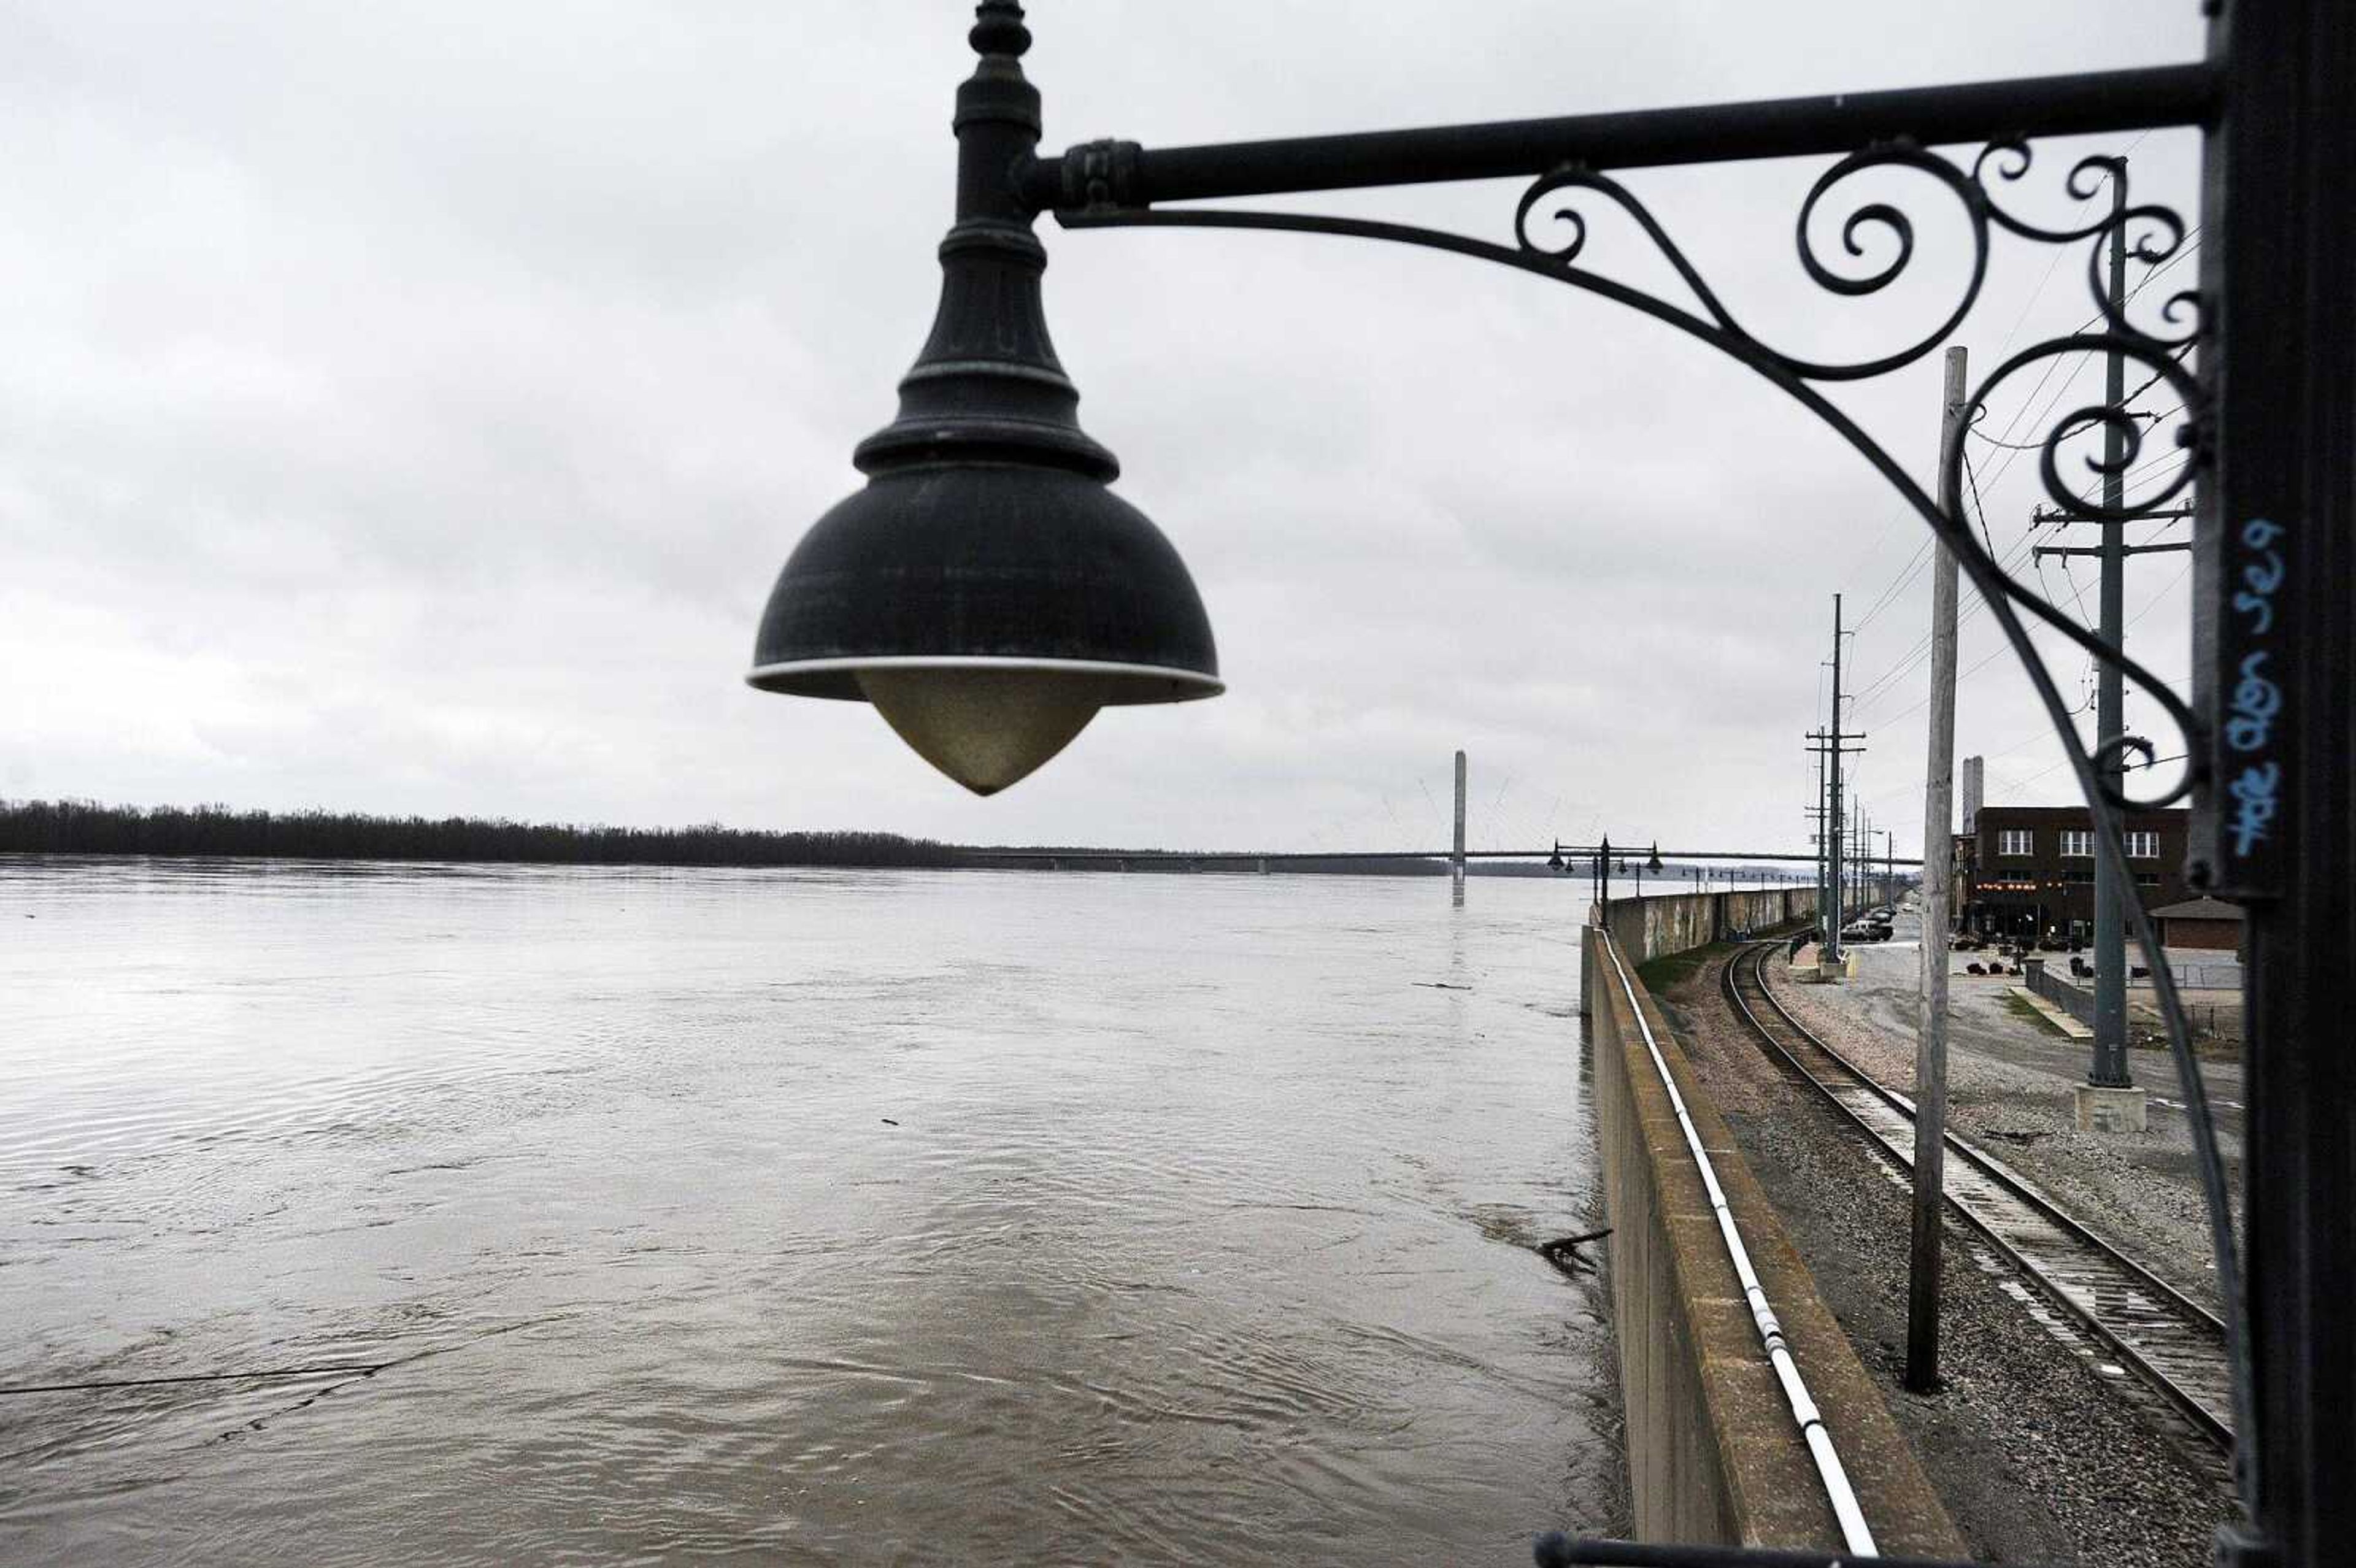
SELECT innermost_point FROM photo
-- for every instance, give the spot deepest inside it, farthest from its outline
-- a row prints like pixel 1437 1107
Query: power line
pixel 2179 457
pixel 1918 652
pixel 1907 573
pixel 2077 594
pixel 1913 567
pixel 1977 506
pixel 1913 657
pixel 2153 603
pixel 2125 404
pixel 2078 363
pixel 2059 251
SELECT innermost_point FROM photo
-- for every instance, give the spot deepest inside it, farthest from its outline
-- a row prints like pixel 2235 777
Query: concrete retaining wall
pixel 1714 1454
pixel 2209 994
pixel 2078 1004
pixel 1646 928
pixel 1675 922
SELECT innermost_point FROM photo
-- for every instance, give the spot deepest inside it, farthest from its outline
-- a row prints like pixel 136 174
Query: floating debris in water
pixel 1563 1251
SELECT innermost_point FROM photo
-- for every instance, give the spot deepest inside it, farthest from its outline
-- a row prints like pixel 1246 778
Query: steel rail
pixel 1995 1169
pixel 2204 1325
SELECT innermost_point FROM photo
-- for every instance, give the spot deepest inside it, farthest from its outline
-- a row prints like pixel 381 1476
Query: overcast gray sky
pixel 406 408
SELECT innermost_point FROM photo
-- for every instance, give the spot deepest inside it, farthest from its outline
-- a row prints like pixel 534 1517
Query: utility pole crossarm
pixel 2104 551
pixel 2057 514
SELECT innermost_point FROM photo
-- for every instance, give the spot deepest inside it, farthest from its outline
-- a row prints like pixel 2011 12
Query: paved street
pixel 1981 1024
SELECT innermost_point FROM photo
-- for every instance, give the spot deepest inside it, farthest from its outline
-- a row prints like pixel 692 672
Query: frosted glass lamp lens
pixel 984 727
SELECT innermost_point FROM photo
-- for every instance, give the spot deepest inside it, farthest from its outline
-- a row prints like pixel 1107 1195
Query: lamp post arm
pixel 1121 174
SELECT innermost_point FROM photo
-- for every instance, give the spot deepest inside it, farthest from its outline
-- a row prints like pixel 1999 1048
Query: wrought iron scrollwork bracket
pixel 1102 184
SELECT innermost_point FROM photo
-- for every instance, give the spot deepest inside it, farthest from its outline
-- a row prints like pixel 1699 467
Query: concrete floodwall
pixel 1646 928
pixel 1714 1453
pixel 1678 923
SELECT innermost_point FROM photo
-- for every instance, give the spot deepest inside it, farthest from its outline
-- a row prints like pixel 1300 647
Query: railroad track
pixel 2172 1342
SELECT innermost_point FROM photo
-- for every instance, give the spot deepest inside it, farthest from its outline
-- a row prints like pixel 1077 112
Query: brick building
pixel 2210 924
pixel 2029 870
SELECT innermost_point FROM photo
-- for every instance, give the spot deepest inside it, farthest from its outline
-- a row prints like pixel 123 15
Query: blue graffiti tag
pixel 2257 798
pixel 2256 700
pixel 2262 609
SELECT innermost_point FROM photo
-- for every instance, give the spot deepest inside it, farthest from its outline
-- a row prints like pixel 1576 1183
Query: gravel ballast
pixel 2008 1081
pixel 2036 1456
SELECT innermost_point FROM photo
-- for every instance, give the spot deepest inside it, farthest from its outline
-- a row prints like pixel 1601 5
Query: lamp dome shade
pixel 988 609
pixel 986 565
pixel 985 590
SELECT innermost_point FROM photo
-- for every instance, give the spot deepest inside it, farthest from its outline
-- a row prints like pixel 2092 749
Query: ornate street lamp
pixel 986 592
pixel 989 595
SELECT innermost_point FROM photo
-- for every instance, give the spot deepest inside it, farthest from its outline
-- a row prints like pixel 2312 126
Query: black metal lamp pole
pixel 2274 637
pixel 988 593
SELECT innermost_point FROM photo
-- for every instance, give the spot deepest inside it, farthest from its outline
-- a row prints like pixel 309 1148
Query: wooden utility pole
pixel 1938 889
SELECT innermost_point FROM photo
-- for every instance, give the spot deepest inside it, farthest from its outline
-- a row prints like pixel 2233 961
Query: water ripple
pixel 846 1218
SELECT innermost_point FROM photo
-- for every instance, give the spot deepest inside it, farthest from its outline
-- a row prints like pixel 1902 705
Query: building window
pixel 2019 841
pixel 2077 844
pixel 2146 879
pixel 2143 846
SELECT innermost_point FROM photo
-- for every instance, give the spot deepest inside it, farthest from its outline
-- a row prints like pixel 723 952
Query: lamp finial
pixel 998 29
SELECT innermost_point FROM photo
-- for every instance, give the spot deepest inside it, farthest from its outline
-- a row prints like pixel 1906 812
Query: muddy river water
pixel 856 1217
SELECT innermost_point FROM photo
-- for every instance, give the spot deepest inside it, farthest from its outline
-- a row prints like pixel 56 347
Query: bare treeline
pixel 86 827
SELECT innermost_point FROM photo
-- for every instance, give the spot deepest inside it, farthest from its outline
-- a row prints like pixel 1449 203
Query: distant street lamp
pixel 988 595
